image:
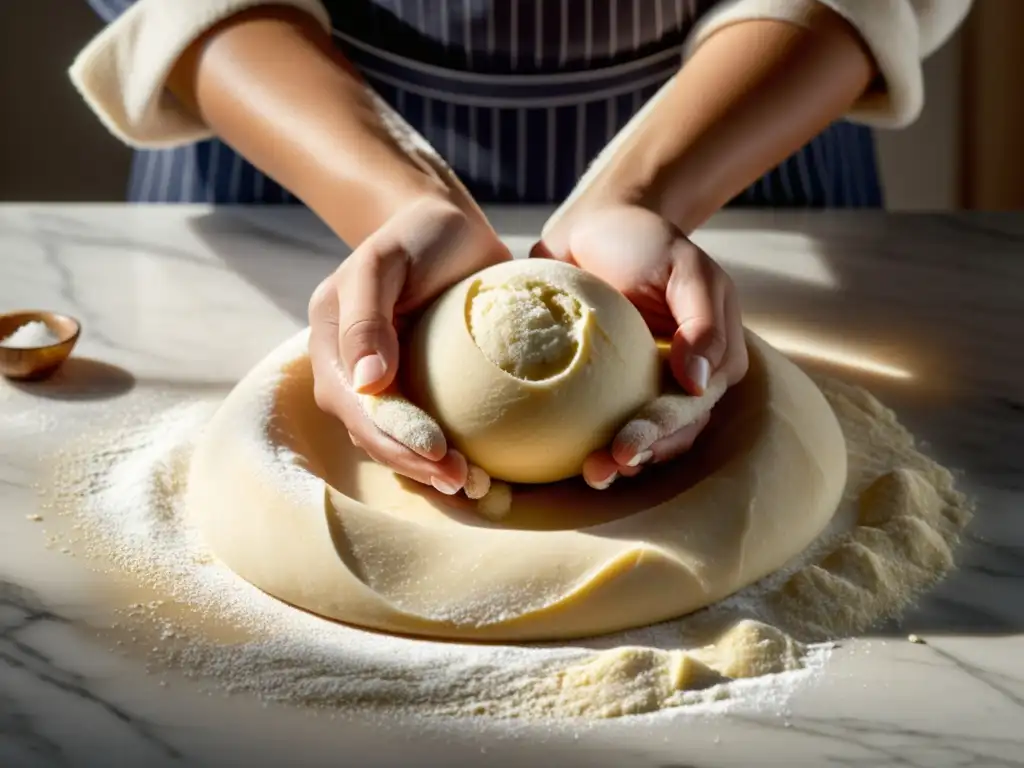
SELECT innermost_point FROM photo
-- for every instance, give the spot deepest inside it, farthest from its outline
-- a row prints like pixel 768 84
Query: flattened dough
pixel 285 500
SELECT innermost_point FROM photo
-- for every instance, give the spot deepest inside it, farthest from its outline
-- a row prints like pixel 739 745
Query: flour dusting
pixel 893 536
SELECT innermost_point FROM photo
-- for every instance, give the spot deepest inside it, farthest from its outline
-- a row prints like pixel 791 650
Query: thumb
pixel 697 302
pixel 552 245
pixel 367 340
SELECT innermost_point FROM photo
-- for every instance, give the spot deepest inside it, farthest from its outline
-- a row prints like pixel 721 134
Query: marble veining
pixel 22 612
pixel 180 301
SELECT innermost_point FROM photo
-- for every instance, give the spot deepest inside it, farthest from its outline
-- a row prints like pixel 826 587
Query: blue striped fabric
pixel 518 96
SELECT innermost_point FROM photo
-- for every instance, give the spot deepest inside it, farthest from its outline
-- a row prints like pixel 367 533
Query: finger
pixel 405 423
pixel 737 359
pixel 438 245
pixel 368 288
pixel 554 243
pixel 550 250
pixel 447 475
pixel 329 381
pixel 696 296
pixel 333 396
pixel 679 441
pixel 540 251
pixel 659 419
pixel 602 466
pixel 600 470
pixel 444 245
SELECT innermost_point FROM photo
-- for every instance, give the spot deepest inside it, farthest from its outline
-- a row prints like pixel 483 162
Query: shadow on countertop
pixel 81 378
pixel 291 235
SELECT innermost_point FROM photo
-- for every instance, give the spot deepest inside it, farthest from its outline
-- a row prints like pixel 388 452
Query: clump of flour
pixel 892 537
pixel 525 327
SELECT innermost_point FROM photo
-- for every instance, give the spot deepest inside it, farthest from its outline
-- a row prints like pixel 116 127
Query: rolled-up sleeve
pixel 899 33
pixel 122 72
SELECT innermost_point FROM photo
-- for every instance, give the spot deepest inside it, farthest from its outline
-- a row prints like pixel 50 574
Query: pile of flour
pixel 31 335
pixel 893 536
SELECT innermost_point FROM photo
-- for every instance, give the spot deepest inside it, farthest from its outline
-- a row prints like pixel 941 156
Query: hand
pixel 354 317
pixel 682 294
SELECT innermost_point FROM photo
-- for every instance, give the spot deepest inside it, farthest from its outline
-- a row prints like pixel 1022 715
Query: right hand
pixel 354 316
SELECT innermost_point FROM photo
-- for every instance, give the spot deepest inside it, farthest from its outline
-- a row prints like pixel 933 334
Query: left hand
pixel 681 293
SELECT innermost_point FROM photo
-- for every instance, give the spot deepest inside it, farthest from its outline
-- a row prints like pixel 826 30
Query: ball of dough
pixel 529 366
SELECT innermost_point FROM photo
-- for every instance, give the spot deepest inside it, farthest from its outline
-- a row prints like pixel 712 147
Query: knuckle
pixel 717 347
pixel 323 304
pixel 325 396
pixel 429 229
pixel 713 274
pixel 722 278
pixel 702 331
pixel 450 218
pixel 713 345
pixel 688 258
pixel 365 330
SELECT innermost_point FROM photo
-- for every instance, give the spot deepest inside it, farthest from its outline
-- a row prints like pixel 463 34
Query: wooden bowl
pixel 37 363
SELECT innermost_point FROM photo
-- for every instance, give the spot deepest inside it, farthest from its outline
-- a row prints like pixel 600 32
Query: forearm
pixel 751 95
pixel 269 82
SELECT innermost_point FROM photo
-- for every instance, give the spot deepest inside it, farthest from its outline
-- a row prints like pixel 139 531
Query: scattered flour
pixel 31 335
pixel 892 537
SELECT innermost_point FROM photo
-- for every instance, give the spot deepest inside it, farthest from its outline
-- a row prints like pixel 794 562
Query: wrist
pixel 649 175
pixel 270 82
pixel 751 95
pixel 661 164
pixel 357 195
pixel 668 167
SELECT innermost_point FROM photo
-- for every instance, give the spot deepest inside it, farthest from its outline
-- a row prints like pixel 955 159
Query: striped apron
pixel 518 96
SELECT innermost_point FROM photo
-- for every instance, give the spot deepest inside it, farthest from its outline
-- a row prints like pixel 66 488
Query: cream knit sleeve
pixel 899 33
pixel 122 71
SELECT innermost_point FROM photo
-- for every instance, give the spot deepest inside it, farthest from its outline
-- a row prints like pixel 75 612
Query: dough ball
pixel 529 366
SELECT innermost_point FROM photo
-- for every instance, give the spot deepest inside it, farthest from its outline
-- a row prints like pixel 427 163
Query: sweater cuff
pixel 899 34
pixel 121 74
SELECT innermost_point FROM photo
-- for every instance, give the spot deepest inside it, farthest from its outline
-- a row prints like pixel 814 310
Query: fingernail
pixel 368 370
pixel 641 458
pixel 698 369
pixel 443 486
pixel 604 484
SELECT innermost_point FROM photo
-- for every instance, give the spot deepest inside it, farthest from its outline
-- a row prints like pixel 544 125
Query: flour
pixel 406 423
pixel 31 335
pixel 893 537
pixel 527 328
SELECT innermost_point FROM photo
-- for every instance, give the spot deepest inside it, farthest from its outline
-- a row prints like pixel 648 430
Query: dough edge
pixel 273 522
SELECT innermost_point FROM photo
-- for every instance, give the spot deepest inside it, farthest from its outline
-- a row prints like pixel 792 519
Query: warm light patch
pixel 801 344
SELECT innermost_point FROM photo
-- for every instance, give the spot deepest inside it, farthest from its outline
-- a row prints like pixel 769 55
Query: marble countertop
pixel 926 311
